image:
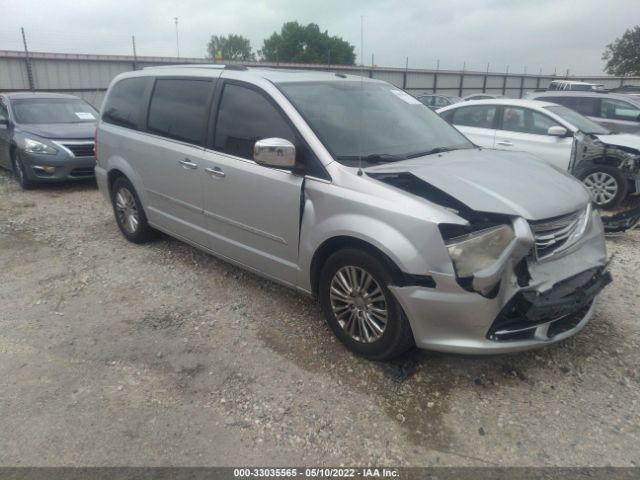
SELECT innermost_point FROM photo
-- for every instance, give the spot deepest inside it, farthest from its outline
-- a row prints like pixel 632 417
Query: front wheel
pixel 21 173
pixel 129 213
pixel 607 185
pixel 360 308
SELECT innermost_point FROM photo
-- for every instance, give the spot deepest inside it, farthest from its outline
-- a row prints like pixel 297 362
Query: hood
pixel 628 140
pixel 67 131
pixel 508 183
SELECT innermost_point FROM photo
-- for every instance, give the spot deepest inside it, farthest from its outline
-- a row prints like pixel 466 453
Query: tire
pixel 362 312
pixel 129 213
pixel 21 173
pixel 607 185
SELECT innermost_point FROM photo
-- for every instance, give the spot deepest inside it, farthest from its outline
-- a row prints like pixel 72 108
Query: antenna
pixel 361 95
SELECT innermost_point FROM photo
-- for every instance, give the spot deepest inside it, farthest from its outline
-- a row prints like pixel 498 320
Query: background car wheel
pixel 607 185
pixel 21 173
pixel 129 213
pixel 360 308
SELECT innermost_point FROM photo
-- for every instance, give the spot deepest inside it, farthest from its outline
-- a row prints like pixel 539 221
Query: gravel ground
pixel 117 354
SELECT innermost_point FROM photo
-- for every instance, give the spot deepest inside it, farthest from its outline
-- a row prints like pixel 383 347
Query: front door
pixel 525 130
pixel 252 212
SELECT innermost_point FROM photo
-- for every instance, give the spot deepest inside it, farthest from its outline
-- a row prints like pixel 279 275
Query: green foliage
pixel 306 44
pixel 623 55
pixel 233 47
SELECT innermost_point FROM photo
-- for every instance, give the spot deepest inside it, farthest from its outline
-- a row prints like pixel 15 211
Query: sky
pixel 547 35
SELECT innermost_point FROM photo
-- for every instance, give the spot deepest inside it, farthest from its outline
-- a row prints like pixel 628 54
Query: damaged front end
pixel 517 283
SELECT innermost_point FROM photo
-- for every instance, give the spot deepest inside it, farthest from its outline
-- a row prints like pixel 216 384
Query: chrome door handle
pixel 186 163
pixel 505 143
pixel 215 171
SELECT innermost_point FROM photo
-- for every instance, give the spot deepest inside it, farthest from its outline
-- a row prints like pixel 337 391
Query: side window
pixel 477 116
pixel 619 110
pixel 523 120
pixel 428 101
pixel 441 102
pixel 124 103
pixel 3 109
pixel 178 109
pixel 244 117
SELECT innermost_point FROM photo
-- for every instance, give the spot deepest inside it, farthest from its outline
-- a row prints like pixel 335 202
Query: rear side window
pixel 480 116
pixel 245 116
pixel 584 105
pixel 124 103
pixel 178 109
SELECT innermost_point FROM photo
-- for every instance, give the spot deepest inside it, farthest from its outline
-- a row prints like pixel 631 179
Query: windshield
pixel 374 120
pixel 581 123
pixel 53 110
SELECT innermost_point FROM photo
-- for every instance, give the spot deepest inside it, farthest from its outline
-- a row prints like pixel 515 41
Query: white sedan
pixel 608 164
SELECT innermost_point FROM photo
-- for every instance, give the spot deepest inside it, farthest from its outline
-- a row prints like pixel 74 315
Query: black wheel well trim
pixel 332 245
pixel 114 174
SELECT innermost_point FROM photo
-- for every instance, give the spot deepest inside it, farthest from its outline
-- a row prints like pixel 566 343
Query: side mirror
pixel 557 131
pixel 275 152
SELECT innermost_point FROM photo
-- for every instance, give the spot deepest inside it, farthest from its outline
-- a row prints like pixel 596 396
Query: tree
pixel 306 44
pixel 623 55
pixel 233 47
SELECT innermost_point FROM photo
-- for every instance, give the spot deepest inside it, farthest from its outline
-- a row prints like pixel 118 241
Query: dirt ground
pixel 117 354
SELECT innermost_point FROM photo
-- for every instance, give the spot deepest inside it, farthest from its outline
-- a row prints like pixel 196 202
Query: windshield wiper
pixel 430 152
pixel 372 158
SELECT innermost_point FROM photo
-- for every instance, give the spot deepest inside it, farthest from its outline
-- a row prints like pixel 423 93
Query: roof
pixel 512 102
pixel 18 95
pixel 275 75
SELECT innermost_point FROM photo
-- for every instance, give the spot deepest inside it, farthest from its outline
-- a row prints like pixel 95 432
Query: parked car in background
pixel 614 111
pixel 46 137
pixel 481 96
pixel 406 232
pixel 609 165
pixel 438 101
pixel 633 90
pixel 571 85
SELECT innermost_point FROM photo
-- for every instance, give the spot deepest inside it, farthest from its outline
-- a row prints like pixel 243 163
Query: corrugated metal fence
pixel 88 76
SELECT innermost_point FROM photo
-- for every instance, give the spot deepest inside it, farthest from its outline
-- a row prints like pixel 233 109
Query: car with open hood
pixel 351 190
pixel 46 137
pixel 607 163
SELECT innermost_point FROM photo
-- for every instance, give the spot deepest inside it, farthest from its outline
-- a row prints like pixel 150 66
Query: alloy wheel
pixel 602 186
pixel 359 304
pixel 126 210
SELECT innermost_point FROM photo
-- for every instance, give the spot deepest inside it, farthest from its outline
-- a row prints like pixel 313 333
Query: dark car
pixel 438 101
pixel 614 111
pixel 46 137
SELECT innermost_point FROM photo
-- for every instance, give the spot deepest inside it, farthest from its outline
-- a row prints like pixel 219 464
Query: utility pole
pixel 135 55
pixel 177 42
pixel 27 59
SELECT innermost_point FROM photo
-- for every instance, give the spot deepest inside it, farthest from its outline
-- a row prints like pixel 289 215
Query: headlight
pixel 478 250
pixel 33 146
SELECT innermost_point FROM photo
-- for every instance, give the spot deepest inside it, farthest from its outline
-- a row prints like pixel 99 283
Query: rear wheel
pixel 129 213
pixel 607 185
pixel 360 308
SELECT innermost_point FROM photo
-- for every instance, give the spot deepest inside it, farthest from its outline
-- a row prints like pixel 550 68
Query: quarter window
pixel 178 109
pixel 244 117
pixel 523 120
pixel 477 116
pixel 124 104
pixel 585 105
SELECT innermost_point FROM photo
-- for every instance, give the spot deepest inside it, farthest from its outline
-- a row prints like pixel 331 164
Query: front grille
pixel 80 149
pixel 552 234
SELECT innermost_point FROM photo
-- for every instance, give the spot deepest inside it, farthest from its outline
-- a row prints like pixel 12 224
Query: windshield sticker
pixel 406 97
pixel 85 116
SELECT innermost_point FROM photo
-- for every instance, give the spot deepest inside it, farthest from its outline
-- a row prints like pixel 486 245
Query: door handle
pixel 215 171
pixel 186 163
pixel 505 143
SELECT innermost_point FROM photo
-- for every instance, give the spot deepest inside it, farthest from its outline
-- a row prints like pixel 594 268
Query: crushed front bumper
pixel 557 302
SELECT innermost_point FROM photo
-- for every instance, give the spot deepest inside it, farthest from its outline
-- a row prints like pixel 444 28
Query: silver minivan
pixel 351 190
